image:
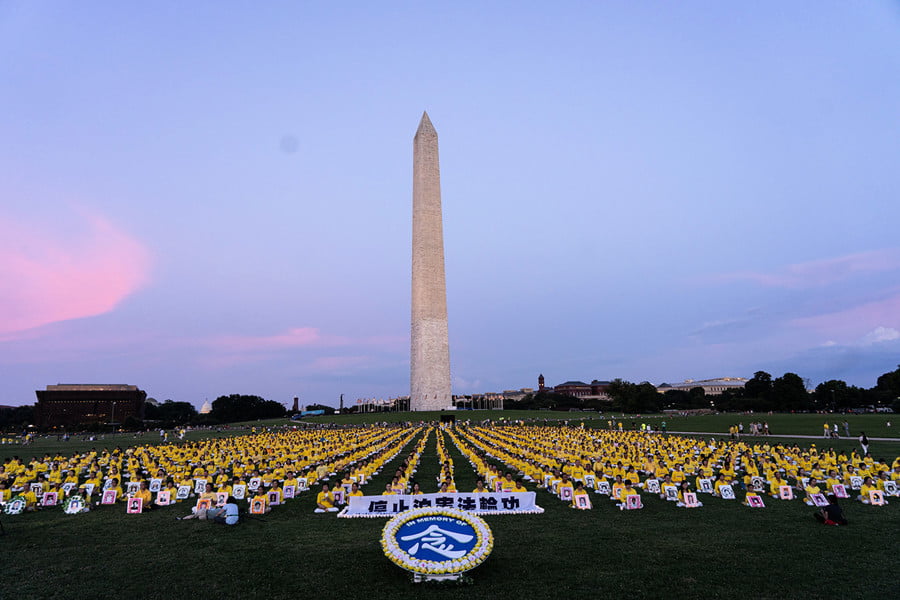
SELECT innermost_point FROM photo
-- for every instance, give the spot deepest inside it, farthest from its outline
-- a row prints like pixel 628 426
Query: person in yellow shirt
pixel 775 486
pixel 867 486
pixel 832 480
pixel 5 492
pixel 325 500
pixel 719 483
pixel 683 489
pixel 812 487
pixel 617 487
pixel 479 487
pixel 519 487
pixel 578 491
pixel 355 491
pixel 628 490
pixel 145 495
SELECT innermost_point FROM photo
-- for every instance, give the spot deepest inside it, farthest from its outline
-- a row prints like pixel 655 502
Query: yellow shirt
pixel 325 499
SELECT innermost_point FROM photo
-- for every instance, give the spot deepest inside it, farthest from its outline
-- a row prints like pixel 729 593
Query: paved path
pixel 808 437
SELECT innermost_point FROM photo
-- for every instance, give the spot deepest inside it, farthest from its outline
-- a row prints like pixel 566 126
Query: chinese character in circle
pixel 435 539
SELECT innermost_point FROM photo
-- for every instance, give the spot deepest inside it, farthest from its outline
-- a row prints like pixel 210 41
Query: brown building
pixel 579 389
pixel 68 405
pixel 595 390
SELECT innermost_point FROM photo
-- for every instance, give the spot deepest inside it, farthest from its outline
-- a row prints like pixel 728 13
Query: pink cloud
pixel 50 276
pixel 856 324
pixel 295 338
pixel 225 351
pixel 338 363
pixel 292 338
pixel 826 271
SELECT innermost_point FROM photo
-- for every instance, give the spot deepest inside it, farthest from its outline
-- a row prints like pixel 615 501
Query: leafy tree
pixel 634 398
pixel 176 413
pixel 832 395
pixel 790 393
pixel 890 382
pixel 697 398
pixel 676 399
pixel 16 417
pixel 238 407
pixel 760 386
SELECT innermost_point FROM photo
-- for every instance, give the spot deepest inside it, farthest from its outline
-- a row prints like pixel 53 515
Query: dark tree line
pixel 170 413
pixel 237 407
pixel 15 417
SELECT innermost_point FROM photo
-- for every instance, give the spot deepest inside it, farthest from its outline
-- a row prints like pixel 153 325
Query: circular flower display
pixel 437 541
pixel 15 506
pixel 74 504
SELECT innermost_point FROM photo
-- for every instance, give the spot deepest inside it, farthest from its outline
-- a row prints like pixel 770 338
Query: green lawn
pixel 722 549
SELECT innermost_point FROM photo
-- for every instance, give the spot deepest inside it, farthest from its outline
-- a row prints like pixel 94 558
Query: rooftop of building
pixel 91 387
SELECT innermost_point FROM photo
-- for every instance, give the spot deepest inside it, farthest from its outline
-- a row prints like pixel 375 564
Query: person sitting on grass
pixel 617 487
pixel 262 495
pixel 812 487
pixel 145 495
pixel 388 490
pixel 31 501
pixel 683 489
pixel 416 490
pixel 479 487
pixel 355 491
pixel 777 483
pixel 325 500
pixel 719 483
pixel 114 485
pixel 578 491
pixel 868 485
pixel 519 487
pixel 628 490
pixel 832 480
pixel 666 481
pixel 831 514
pixel 565 484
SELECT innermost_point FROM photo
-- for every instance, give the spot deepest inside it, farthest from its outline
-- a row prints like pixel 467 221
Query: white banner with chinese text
pixel 506 503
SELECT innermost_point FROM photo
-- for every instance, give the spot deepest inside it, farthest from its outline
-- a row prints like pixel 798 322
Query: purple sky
pixel 215 198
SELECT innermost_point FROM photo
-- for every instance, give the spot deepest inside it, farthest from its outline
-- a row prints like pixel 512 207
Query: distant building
pixel 595 390
pixel 206 408
pixel 711 387
pixel 67 405
pixel 514 395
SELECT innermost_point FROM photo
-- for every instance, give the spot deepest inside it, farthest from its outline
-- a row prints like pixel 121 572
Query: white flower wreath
pixel 483 545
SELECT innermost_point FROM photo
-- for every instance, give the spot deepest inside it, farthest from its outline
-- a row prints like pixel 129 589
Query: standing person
pixel 826 432
pixel 846 428
pixel 834 432
pixel 864 442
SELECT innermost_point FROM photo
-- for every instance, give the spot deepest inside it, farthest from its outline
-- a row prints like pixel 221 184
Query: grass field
pixel 722 549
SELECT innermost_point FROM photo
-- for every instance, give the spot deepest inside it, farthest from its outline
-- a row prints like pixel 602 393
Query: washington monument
pixel 430 353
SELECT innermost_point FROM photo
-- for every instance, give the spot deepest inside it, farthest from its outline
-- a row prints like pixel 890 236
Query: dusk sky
pixel 210 198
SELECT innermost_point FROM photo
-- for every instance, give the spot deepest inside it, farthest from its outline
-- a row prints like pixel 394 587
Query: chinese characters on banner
pixel 378 506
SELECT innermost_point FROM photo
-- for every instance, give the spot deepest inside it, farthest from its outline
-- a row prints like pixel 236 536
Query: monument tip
pixel 425 124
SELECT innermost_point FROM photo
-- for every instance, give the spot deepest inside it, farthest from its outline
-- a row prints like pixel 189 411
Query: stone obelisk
pixel 430 352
